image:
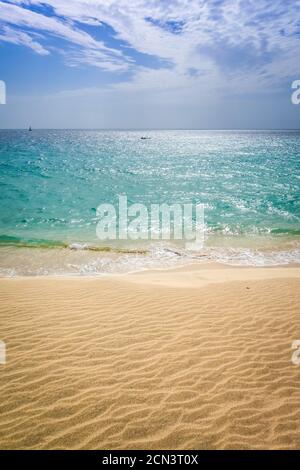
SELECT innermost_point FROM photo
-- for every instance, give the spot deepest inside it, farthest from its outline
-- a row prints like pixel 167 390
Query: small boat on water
pixel 30 129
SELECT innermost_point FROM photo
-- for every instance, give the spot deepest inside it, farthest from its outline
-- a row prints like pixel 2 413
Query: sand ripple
pixel 103 364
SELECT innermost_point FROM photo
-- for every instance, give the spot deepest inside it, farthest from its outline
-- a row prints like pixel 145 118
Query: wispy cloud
pixel 27 22
pixel 245 43
pixel 8 34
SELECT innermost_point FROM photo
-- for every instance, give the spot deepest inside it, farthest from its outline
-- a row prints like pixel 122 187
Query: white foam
pixel 80 261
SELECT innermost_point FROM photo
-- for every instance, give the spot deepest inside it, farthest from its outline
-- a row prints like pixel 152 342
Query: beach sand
pixel 193 358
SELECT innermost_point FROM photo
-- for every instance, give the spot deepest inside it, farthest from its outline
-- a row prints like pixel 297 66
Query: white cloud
pixel 13 36
pixel 31 21
pixel 240 45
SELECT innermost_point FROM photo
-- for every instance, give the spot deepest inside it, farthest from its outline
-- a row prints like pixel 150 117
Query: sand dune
pixel 195 358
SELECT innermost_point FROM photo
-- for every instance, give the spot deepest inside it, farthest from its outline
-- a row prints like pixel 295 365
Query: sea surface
pixel 52 182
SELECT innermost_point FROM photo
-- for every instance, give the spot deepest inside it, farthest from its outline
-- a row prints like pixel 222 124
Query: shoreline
pixel 28 262
pixel 168 270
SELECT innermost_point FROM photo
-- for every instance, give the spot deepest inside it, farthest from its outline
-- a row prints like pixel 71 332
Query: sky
pixel 162 64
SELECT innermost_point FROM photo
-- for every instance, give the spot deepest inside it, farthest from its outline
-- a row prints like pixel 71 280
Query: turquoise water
pixel 52 181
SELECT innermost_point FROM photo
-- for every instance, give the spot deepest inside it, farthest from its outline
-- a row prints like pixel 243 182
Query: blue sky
pixel 150 63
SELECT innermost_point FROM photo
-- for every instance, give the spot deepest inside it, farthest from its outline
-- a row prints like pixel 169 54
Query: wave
pixel 82 259
pixel 20 242
pixel 251 230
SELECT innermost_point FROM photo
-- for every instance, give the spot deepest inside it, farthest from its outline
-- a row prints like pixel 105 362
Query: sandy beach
pixel 193 358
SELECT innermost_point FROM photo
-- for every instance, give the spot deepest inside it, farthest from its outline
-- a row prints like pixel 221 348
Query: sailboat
pixel 30 129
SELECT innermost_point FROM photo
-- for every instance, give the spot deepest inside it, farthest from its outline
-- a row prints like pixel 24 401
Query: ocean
pixel 52 182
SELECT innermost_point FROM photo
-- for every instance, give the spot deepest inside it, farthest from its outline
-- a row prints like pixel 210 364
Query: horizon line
pixel 147 129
